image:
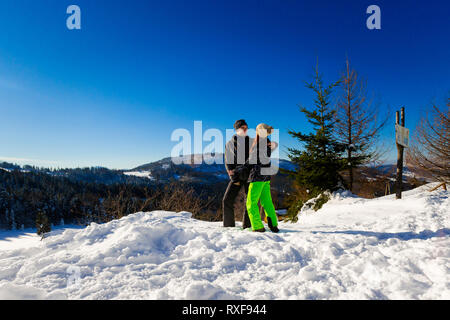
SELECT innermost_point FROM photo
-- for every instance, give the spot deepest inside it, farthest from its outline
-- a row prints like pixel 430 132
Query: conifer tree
pixel 319 162
pixel 42 224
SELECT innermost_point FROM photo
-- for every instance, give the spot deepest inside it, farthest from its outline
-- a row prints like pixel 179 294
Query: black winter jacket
pixel 237 154
pixel 259 162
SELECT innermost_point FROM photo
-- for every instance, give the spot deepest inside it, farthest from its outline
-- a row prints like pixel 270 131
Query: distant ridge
pixel 193 168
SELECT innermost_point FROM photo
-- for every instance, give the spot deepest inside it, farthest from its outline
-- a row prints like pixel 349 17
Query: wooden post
pixel 399 178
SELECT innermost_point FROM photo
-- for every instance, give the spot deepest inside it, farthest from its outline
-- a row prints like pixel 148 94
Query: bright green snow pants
pixel 260 191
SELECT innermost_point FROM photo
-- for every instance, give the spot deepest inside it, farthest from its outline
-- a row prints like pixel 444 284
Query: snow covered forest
pixel 81 196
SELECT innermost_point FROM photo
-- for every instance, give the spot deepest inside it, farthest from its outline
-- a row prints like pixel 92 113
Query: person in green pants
pixel 259 179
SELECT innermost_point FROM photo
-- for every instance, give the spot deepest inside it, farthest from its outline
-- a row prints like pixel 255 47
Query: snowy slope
pixel 352 248
pixel 140 174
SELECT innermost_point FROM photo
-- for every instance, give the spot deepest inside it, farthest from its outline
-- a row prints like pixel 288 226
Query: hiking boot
pixel 271 227
pixel 260 230
pixel 246 222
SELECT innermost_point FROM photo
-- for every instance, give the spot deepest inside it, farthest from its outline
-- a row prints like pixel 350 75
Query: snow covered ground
pixel 140 174
pixel 352 248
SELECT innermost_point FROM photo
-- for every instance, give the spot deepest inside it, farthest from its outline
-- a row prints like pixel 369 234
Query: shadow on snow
pixel 423 235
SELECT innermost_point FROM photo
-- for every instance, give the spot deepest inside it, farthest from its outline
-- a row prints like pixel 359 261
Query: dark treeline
pixel 92 174
pixel 25 194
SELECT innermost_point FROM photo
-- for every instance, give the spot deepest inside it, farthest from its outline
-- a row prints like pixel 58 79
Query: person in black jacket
pixel 236 158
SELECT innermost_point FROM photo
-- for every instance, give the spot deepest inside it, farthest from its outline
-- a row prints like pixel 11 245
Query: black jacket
pixel 259 162
pixel 237 153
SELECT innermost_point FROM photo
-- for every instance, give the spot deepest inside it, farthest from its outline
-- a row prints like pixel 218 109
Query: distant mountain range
pixel 192 168
pixel 391 170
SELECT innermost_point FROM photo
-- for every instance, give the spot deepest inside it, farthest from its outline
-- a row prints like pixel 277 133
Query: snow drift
pixel 352 248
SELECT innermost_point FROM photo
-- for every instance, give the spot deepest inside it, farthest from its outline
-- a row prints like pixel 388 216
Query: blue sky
pixel 111 93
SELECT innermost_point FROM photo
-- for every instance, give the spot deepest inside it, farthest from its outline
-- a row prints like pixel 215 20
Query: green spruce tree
pixel 42 224
pixel 319 161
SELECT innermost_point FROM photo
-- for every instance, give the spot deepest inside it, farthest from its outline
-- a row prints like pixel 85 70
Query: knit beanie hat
pixel 239 124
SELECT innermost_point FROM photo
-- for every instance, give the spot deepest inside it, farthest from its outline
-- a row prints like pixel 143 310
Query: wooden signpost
pixel 402 142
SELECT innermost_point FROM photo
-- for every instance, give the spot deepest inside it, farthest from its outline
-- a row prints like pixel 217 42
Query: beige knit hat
pixel 263 130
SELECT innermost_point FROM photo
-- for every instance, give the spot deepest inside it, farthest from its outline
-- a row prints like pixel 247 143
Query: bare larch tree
pixel 430 146
pixel 357 122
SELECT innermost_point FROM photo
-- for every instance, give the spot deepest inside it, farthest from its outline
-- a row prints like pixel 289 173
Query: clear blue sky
pixel 112 93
